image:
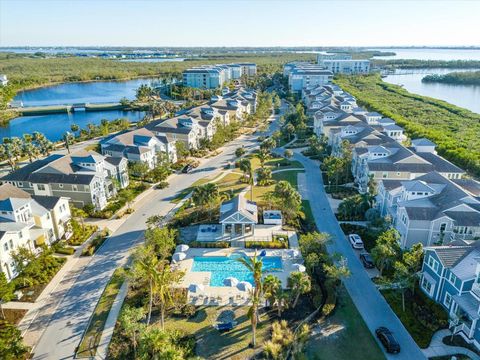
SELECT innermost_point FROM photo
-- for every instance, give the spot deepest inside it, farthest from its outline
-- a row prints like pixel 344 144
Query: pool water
pixel 223 267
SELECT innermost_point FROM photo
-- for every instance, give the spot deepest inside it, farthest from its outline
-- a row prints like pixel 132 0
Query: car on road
pixel 367 260
pixel 388 340
pixel 187 169
pixel 355 241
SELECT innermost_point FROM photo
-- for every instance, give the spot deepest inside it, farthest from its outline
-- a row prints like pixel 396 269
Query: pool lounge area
pixel 207 269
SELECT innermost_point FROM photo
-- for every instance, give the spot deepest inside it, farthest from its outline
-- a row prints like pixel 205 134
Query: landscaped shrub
pixel 266 244
pixel 209 244
pixel 331 300
pixel 80 233
pixel 65 250
pixel 91 248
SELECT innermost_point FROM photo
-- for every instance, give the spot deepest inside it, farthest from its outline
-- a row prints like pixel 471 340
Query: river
pixel 466 96
pixel 54 126
pixel 86 92
pixel 431 54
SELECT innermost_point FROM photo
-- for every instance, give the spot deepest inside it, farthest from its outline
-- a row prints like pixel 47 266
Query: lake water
pixel 87 92
pixel 431 54
pixel 466 96
pixel 54 126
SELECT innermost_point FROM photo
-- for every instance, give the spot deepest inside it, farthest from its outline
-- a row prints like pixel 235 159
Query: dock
pixel 60 109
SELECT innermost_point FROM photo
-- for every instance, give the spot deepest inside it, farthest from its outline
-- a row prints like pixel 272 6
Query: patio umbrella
pixel 299 267
pixel 196 288
pixel 263 253
pixel 178 256
pixel 293 253
pixel 230 281
pixel 244 286
pixel 182 248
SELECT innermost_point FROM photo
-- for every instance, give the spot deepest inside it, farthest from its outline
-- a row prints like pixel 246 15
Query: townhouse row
pixel 429 199
pixel 90 178
pixel 425 195
pixel 215 76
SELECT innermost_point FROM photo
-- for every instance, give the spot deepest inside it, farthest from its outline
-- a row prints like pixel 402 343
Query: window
pixel 20 234
pixel 452 278
pixel 443 227
pixel 427 286
pixel 74 187
pixel 433 263
pixel 5 246
pixel 41 187
pixel 60 186
pixel 448 300
pixel 11 244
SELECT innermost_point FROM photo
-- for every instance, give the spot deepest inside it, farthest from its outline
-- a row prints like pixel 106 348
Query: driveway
pixel 370 303
pixel 64 330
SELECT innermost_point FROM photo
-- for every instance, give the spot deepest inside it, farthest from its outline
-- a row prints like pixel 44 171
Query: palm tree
pixel 246 166
pixel 74 128
pixel 164 280
pixel 272 288
pixel 146 267
pixel 263 155
pixel 255 265
pixel 300 284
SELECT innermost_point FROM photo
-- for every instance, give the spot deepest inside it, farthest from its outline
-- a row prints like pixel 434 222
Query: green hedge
pixel 65 250
pixel 266 244
pixel 209 244
pixel 91 248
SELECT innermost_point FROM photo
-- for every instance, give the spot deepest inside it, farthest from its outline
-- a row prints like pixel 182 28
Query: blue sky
pixel 238 23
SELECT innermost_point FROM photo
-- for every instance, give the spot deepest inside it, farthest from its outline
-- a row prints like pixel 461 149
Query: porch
pixel 464 315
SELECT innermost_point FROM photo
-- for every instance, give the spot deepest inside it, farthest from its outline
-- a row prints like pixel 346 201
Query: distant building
pixel 303 75
pixel 3 79
pixel 215 76
pixel 347 66
pixel 332 56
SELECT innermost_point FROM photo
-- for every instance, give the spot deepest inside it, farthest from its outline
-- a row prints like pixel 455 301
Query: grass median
pixel 91 338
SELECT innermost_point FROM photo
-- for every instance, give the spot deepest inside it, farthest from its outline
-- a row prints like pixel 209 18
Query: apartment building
pixel 29 221
pixel 430 209
pixel 140 145
pixel 303 75
pixel 83 177
pixel 215 76
pixel 347 66
pixel 451 276
pixel 321 57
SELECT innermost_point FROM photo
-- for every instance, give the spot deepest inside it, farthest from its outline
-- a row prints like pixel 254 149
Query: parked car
pixel 367 260
pixel 388 341
pixel 187 169
pixel 355 241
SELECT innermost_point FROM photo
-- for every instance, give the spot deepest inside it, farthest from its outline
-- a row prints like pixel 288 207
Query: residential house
pixel 83 177
pixel 451 276
pixel 140 145
pixel 3 80
pixel 430 209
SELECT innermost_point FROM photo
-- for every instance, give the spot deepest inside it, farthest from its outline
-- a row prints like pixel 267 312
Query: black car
pixel 187 169
pixel 367 260
pixel 388 341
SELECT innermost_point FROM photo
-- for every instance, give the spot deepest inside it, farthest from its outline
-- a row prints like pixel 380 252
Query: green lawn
pixel 307 210
pixel 88 346
pixel 346 336
pixel 211 344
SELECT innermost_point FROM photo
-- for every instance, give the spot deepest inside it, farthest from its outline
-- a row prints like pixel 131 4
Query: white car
pixel 355 241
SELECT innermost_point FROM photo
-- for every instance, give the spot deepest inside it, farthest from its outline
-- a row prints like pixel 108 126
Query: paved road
pixel 64 331
pixel 370 303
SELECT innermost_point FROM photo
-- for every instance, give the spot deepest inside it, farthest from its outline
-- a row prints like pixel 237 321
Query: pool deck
pixel 222 295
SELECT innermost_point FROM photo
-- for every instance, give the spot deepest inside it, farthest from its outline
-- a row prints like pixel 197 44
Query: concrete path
pixel 370 303
pixel 438 348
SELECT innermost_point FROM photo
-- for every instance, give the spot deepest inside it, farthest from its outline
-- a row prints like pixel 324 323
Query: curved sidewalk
pixel 438 348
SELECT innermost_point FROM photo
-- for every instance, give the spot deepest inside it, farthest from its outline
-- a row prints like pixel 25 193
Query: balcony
pixel 476 290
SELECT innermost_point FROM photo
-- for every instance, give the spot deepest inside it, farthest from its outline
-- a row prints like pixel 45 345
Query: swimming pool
pixel 223 267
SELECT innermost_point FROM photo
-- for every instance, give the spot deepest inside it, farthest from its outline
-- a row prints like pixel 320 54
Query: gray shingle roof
pixel 451 255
